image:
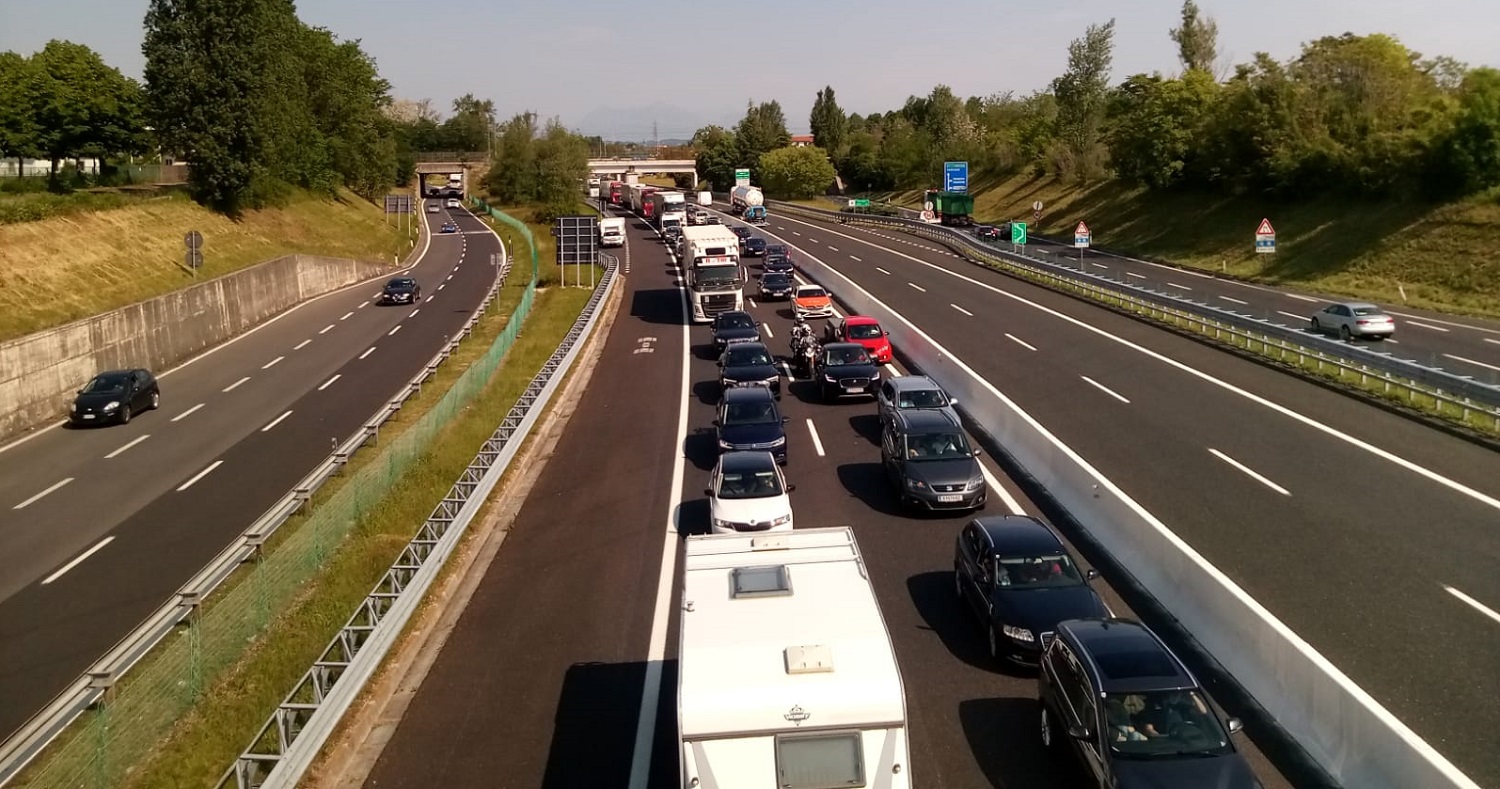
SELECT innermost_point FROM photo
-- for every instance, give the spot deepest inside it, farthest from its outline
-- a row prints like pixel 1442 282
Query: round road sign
pixel 1037 206
pixel 927 215
pixel 1037 215
pixel 927 206
pixel 193 239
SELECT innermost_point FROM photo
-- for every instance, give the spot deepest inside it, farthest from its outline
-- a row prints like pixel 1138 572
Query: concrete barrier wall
pixel 40 372
pixel 1345 730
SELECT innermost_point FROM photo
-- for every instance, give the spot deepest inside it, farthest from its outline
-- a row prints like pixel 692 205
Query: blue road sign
pixel 955 176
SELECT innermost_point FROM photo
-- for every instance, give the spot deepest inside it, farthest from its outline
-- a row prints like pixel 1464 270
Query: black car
pixel 930 463
pixel 115 396
pixel 845 368
pixel 733 327
pixel 777 249
pixel 1116 698
pixel 741 231
pixel 987 233
pixel 1018 577
pixel 779 264
pixel 754 247
pixel 401 290
pixel 749 364
pixel 776 285
pixel 748 419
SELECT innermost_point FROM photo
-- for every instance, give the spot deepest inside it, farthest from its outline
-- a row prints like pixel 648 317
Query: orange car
pixel 811 301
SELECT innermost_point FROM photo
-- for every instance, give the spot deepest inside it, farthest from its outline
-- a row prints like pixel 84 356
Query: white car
pixel 453 203
pixel 432 208
pixel 747 493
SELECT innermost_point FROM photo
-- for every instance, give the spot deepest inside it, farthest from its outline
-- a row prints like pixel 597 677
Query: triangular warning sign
pixel 1265 228
pixel 1081 230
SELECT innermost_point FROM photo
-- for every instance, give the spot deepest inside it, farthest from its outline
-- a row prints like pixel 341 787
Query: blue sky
pixel 611 67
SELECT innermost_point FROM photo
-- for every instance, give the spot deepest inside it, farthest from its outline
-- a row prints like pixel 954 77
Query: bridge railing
pixel 427 157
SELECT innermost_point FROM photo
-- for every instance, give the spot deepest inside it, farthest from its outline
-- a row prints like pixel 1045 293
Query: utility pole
pixel 655 139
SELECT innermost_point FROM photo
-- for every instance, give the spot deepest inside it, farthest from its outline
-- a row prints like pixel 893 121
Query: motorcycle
pixel 807 357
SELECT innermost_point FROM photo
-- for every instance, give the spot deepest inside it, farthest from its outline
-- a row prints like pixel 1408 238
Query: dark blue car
pixel 755 247
pixel 776 285
pixel 749 364
pixel 778 264
pixel 734 327
pixel 748 419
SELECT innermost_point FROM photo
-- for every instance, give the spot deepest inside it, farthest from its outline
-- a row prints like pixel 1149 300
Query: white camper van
pixel 786 675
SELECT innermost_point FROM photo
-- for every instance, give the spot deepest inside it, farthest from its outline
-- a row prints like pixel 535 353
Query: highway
pixel 548 663
pixel 1371 536
pixel 100 526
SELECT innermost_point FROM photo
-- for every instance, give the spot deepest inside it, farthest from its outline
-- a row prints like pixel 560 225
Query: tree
pixel 1197 40
pixel 718 156
pixel 469 127
pixel 1156 125
pixel 762 129
pixel 828 123
pixel 1466 159
pixel 1082 94
pixel 543 169
pixel 81 106
pixel 513 171
pixel 18 131
pixel 796 173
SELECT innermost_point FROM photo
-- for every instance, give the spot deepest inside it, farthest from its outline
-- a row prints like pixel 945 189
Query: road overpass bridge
pixel 618 168
pixel 470 165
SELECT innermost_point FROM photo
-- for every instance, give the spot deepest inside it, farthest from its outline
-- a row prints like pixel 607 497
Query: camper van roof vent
pixel 814 659
pixel 770 542
pixel 765 581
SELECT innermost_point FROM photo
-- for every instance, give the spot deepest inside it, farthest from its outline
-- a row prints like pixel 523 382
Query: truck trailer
pixel 950 208
pixel 743 197
pixel 710 258
pixel 786 672
pixel 612 231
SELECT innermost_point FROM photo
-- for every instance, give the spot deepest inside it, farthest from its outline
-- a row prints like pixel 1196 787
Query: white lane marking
pixel 767 327
pixel 1475 604
pixel 362 305
pixel 1292 315
pixel 367 352
pixel 1097 265
pixel 329 382
pixel 1175 285
pixel 187 413
pixel 199 475
pixel 961 309
pixel 429 299
pixel 272 363
pixel 299 346
pixel 916 286
pixel 38 497
pixel 1017 340
pixel 831 247
pixel 450 276
pixel 817 442
pixel 1497 342
pixel 645 724
pixel 1250 472
pixel 327 329
pixel 346 315
pixel 444 285
pixel 1468 361
pixel 393 331
pixel 813 240
pixel 1426 326
pixel 1133 274
pixel 236 384
pixel 795 233
pixel 891 368
pixel 122 449
pixel 1392 342
pixel 1105 389
pixel 1302 298
pixel 275 422
pixel 414 312
pixel 753 305
pixel 1235 300
pixel 883 271
pixel 61 571
pixel 1011 503
pixel 855 259
pixel 1450 323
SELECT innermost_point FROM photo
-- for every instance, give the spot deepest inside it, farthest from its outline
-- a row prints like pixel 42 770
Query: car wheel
pixel 1316 326
pixel 1049 729
pixel 1345 335
pixel 155 400
pixel 125 414
pixel 958 584
pixel 994 642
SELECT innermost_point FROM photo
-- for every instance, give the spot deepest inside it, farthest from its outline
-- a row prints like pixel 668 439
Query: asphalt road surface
pixel 1372 536
pixel 547 665
pixel 99 526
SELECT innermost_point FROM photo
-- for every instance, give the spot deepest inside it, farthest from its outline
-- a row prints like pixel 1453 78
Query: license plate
pixel 854 388
pixel 88 416
pixel 950 499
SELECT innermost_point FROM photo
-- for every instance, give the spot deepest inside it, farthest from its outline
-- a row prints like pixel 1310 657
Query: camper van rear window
pixel 820 761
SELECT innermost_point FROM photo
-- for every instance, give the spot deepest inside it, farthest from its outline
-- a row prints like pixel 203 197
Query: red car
pixel 863 330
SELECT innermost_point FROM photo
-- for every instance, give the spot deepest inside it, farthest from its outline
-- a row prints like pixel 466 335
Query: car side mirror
pixel 1080 733
pixel 1234 725
pixel 720 362
pixel 886 333
pixel 977 452
pixel 785 419
pixel 1091 574
pixel 709 492
pixel 716 423
pixel 952 402
pixel 790 486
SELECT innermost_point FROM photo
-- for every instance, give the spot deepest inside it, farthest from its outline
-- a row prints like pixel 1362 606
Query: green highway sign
pixel 860 202
pixel 1018 233
pixel 742 176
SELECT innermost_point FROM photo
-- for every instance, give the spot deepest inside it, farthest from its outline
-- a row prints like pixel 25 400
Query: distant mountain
pixel 634 124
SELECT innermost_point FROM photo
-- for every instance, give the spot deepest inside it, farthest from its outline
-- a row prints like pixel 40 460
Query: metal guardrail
pixel 295 733
pixel 1465 396
pixel 45 726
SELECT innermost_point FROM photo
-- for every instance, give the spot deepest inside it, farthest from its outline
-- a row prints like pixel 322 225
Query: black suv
pixel 778 263
pixel 776 285
pixel 748 419
pixel 401 290
pixel 987 232
pixel 929 460
pixel 1116 698
pixel 755 247
pixel 732 327
pixel 845 368
pixel 749 364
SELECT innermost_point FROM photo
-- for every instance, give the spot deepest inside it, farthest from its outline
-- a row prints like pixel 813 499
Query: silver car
pixel 912 392
pixel 1352 319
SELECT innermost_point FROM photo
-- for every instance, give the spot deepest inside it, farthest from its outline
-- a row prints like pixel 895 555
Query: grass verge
pixel 64 268
pixel 1441 257
pixel 549 272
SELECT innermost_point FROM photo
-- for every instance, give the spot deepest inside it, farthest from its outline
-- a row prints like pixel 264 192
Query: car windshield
pixel 837 356
pixel 755 242
pixel 400 284
pixel 776 249
pixel 865 331
pixel 922 398
pixel 741 357
pixel 105 383
pixel 750 414
pixel 1166 724
pixel 1033 572
pixel 1363 311
pixel 812 293
pixel 749 485
pixel 937 446
pixel 736 321
pixel 776 280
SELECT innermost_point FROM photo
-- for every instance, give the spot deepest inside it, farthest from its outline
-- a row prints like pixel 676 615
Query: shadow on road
pixel 1004 735
pixel 593 737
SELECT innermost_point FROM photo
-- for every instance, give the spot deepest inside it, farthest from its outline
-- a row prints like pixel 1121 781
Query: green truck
pixel 950 208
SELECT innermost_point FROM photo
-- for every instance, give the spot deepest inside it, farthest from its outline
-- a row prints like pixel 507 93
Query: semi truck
pixel 743 197
pixel 638 198
pixel 612 231
pixel 665 206
pixel 786 673
pixel 710 257
pixel 613 191
pixel 950 208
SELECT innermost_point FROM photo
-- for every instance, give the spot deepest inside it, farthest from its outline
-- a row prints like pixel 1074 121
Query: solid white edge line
pixel 235 385
pixel 1475 604
pixel 1017 340
pixel 188 413
pixel 367 352
pixel 98 546
pixel 272 363
pixel 817 441
pixel 1466 360
pixel 122 449
pixel 276 421
pixel 1010 500
pixel 38 497
pixel 1105 389
pixel 200 475
pixel 1250 472
pixel 330 381
pixel 961 309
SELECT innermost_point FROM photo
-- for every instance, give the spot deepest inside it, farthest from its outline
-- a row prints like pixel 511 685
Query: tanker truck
pixel 743 197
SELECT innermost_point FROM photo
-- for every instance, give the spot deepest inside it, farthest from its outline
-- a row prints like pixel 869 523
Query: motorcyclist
pixel 801 333
pixel 807 356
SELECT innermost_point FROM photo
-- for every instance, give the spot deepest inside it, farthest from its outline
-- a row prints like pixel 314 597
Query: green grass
pixel 64 268
pixel 36 206
pixel 1443 257
pixel 549 273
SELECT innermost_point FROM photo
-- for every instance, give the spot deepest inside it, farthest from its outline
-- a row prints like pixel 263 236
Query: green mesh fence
pixel 102 746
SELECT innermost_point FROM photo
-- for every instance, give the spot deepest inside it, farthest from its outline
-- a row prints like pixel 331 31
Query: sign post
pixel 1081 239
pixel 955 176
pixel 1265 237
pixel 742 176
pixel 1036 211
pixel 194 257
pixel 1018 235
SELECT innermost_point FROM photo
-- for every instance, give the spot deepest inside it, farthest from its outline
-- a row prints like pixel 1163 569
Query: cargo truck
pixel 710 257
pixel 612 231
pixel 613 191
pixel 786 675
pixel 743 197
pixel 664 204
pixel 705 198
pixel 950 208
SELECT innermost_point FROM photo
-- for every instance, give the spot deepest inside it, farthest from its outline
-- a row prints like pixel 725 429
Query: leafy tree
pixel 796 173
pixel 1082 94
pixel 513 173
pixel 1156 125
pixel 18 131
pixel 1197 40
pixel 81 106
pixel 828 123
pixel 718 156
pixel 562 162
pixel 762 129
pixel 1466 159
pixel 469 127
